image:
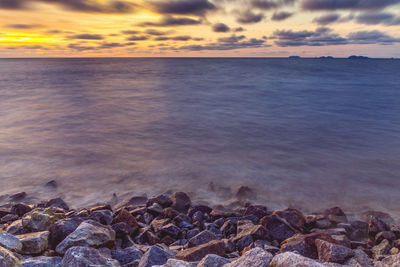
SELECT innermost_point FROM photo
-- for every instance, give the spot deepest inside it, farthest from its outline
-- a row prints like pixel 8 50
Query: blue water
pixel 309 133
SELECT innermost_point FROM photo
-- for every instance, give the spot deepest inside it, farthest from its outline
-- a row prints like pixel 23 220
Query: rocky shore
pixel 169 230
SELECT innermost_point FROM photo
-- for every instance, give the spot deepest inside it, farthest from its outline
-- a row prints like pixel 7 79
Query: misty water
pixel 308 133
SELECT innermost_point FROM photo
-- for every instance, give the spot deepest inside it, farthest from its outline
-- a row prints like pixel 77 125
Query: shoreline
pixel 170 230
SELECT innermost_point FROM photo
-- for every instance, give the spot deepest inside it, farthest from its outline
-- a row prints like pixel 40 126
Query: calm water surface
pixel 308 133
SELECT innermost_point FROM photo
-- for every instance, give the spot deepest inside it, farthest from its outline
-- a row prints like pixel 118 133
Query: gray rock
pixel 171 230
pixel 154 256
pixel 58 203
pixel 61 229
pixel 381 249
pixel 212 260
pixel 87 257
pixel 42 262
pixel 390 261
pixel 88 234
pixel 102 216
pixel 329 252
pixel 127 255
pixel 180 201
pixel 254 257
pixel 34 243
pixel 10 242
pixel 16 228
pixel 199 252
pixel 37 220
pixel 7 258
pixel 175 263
pixel 201 238
pixel 292 259
pixel 360 259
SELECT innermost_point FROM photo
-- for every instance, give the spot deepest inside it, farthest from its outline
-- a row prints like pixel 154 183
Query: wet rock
pixel 385 235
pixel 158 224
pixel 212 260
pixel 18 196
pixel 42 261
pixel 201 238
pixel 254 257
pixel 58 203
pixel 247 228
pixel 4 212
pixel 244 242
pixel 294 217
pixel 10 242
pixel 163 200
pixel 376 225
pixel 199 252
pixel 383 216
pixel 8 259
pixel 9 218
pixel 16 228
pixel 171 230
pixel 136 201
pixel 21 209
pixel 391 261
pixel 100 207
pixel 154 256
pixel 102 216
pixel 381 249
pixel 61 229
pixel 292 259
pixel 38 220
pixel 257 210
pixel 202 208
pixel 89 233
pixel 34 243
pixel 180 201
pixel 328 252
pixel 155 209
pixel 277 227
pixel 305 244
pixel 86 256
pixel 342 240
pixel 127 255
pixel 126 217
pixel 323 224
pixel 360 259
pixel 175 263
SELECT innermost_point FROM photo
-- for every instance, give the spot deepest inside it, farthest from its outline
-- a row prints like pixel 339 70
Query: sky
pixel 199 28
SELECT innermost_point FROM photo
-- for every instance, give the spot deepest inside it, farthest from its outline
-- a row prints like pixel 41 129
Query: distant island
pixel 326 57
pixel 357 57
pixel 294 57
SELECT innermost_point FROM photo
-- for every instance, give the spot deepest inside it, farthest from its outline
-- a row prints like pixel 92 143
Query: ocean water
pixel 307 133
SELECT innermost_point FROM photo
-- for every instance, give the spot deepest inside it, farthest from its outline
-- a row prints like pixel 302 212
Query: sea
pixel 303 133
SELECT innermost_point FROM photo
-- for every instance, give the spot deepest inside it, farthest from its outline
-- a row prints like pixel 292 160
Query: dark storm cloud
pixel 327 19
pixel 136 38
pixel 172 21
pixel 184 7
pixel 220 27
pixel 372 37
pixel 230 43
pixel 22 26
pixel 347 4
pixel 109 6
pixel 378 18
pixel 174 38
pixel 270 4
pixel 248 17
pixel 87 36
pixel 279 16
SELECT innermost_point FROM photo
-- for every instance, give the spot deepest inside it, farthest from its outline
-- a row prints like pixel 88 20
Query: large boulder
pixel 328 252
pixel 197 253
pixel 38 220
pixel 254 257
pixel 127 255
pixel 293 259
pixel 88 234
pixel 34 243
pixel 180 201
pixel 212 260
pixel 154 256
pixel 7 258
pixel 61 229
pixel 42 261
pixel 10 242
pixel 87 257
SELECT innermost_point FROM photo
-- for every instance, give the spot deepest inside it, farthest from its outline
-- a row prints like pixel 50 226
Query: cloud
pixel 248 17
pixel 270 4
pixel 347 4
pixel 285 38
pixel 22 26
pixel 175 38
pixel 87 36
pixel 155 32
pixel 327 19
pixel 172 21
pixel 378 18
pixel 183 7
pixel 279 16
pixel 12 4
pixel 239 29
pixel 220 27
pixel 80 47
pixel 372 37
pixel 137 38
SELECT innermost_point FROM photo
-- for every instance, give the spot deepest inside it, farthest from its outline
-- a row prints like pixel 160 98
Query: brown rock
pixel 328 252
pixel 34 243
pixel 376 225
pixel 277 227
pixel 197 253
pixel 125 217
pixel 180 201
pixel 294 217
pixel 381 249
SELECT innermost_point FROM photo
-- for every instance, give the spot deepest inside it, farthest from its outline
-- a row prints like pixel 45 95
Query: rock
pixel 102 216
pixel 376 225
pixel 87 257
pixel 137 200
pixel 202 208
pixel 7 258
pixel 100 207
pixel 38 220
pixel 385 217
pixel 292 259
pixel 42 261
pixel 52 184
pixel 125 217
pixel 155 209
pixel 127 255
pixel 21 209
pixel 254 257
pixel 323 224
pixel 385 235
pixel 201 238
pixel 154 256
pixel 257 210
pixel 212 260
pixel 10 242
pixel 247 228
pixel 328 252
pixel 18 196
pixel 305 244
pixel 61 229
pixel 294 217
pixel 244 193
pixel 180 201
pixel 158 224
pixel 58 203
pixel 9 218
pixel 381 249
pixel 391 261
pixel 360 259
pixel 175 263
pixel 277 227
pixel 171 230
pixel 34 243
pixel 199 252
pixel 88 234
pixel 244 242
pixel 16 228
pixel 163 200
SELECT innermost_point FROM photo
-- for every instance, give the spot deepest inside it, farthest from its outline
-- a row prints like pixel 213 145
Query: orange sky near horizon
pixel 199 28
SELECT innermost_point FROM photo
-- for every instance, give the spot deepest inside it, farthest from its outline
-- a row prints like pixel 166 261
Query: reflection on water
pixel 308 133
